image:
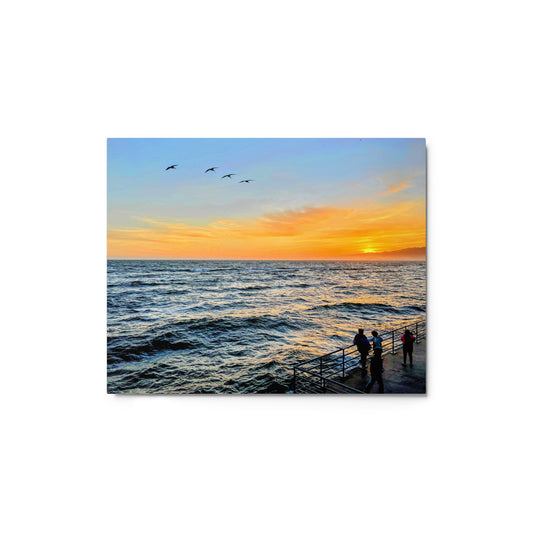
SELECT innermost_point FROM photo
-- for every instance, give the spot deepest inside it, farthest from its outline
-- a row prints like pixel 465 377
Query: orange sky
pixel 328 232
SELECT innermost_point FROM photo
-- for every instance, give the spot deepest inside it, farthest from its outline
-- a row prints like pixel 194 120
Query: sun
pixel 369 251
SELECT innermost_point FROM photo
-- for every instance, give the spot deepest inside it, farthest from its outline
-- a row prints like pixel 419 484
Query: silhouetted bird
pixel 228 175
pixel 245 181
pixel 212 168
pixel 171 166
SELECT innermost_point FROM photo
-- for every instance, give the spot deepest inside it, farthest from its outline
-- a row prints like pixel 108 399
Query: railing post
pixel 416 335
pixel 294 382
pixel 321 367
pixel 393 352
pixel 343 362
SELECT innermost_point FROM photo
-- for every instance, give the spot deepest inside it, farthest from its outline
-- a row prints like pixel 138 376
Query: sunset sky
pixel 311 198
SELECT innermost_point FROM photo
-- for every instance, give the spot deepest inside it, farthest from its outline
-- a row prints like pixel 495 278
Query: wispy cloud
pixel 305 233
pixel 396 188
pixel 397 181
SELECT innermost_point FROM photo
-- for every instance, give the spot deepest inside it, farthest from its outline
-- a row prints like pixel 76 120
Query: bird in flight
pixel 228 175
pixel 212 168
pixel 245 181
pixel 172 166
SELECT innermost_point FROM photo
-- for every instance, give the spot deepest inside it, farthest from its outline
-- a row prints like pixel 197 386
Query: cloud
pixel 398 180
pixel 290 222
pixel 310 232
pixel 396 188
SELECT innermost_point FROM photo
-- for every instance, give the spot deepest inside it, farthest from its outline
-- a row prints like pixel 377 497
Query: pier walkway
pixel 397 379
pixel 340 371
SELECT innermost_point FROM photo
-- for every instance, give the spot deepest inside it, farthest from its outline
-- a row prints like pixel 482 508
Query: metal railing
pixel 321 374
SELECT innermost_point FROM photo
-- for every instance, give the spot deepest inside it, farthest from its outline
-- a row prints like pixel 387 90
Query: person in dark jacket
pixel 376 371
pixel 363 346
pixel 408 340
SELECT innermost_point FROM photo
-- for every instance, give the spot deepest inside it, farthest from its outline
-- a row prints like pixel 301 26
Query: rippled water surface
pixel 238 326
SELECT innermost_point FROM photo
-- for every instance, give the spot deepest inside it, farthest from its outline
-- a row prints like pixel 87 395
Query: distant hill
pixel 407 254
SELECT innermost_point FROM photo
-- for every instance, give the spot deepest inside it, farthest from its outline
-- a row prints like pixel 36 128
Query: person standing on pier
pixel 363 346
pixel 408 340
pixel 376 364
pixel 377 343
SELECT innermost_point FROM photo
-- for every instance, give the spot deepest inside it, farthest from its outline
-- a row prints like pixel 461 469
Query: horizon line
pixel 375 260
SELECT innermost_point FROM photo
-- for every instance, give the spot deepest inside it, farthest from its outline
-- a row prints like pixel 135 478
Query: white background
pixel 75 459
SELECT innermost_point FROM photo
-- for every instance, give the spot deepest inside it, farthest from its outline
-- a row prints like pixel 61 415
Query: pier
pixel 339 372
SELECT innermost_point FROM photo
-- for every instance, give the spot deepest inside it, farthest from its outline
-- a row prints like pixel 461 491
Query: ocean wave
pixel 136 283
pixel 233 323
pixel 370 307
pixel 177 291
pixel 140 283
pixel 134 348
pixel 222 269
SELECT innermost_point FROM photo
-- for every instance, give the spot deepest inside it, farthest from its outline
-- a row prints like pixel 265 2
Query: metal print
pixel 248 266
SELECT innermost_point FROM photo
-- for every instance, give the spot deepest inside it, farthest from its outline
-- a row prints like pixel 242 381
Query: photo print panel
pixel 277 266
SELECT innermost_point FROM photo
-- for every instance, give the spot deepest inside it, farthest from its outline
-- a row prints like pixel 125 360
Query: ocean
pixel 190 327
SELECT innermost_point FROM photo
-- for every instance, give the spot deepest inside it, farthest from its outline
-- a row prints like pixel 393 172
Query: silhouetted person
pixel 377 343
pixel 363 346
pixel 376 369
pixel 408 340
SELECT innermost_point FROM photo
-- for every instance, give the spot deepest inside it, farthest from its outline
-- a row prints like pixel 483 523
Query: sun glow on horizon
pixel 312 233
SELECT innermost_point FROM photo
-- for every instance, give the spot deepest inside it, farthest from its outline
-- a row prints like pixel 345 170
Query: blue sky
pixel 292 179
pixel 288 174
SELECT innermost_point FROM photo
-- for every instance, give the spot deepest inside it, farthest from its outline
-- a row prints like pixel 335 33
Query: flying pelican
pixel 172 166
pixel 245 181
pixel 228 175
pixel 212 168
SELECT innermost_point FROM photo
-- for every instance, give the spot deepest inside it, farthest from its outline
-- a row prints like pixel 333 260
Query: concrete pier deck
pixel 397 379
